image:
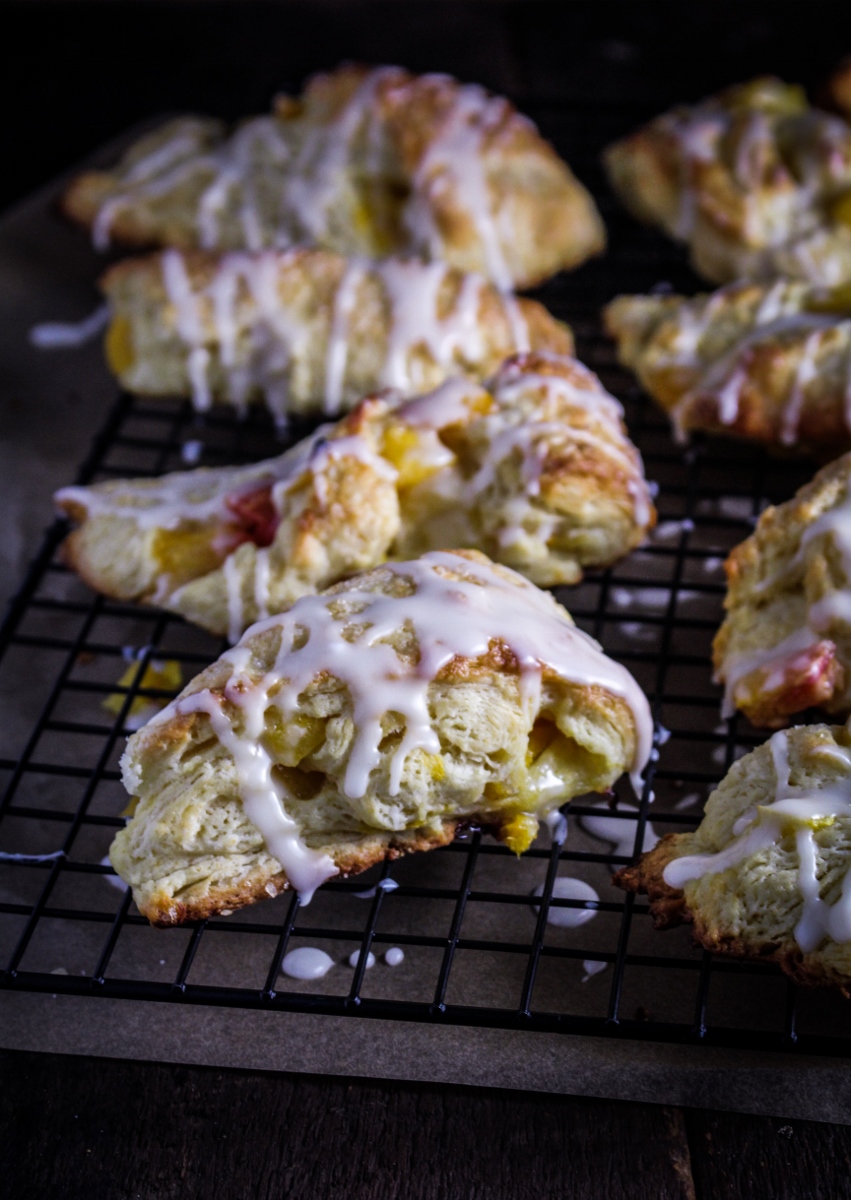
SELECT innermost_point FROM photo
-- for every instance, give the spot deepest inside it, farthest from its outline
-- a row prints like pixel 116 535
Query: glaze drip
pixel 794 811
pixel 243 312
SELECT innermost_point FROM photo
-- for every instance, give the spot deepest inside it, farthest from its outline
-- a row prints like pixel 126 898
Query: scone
pixel 766 873
pixel 365 162
pixel 754 180
pixel 785 644
pixel 307 331
pixel 535 469
pixel 365 723
pixel 770 363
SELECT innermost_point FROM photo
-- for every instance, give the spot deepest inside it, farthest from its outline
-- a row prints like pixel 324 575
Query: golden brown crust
pixel 164 910
pixel 432 133
pixel 763 362
pixel 777 820
pixel 778 580
pixel 669 909
pixel 751 179
pixel 398 326
pixel 562 489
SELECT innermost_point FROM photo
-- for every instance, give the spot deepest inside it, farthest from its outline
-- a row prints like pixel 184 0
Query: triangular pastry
pixel 307 331
pixel 767 362
pixel 767 874
pixel 366 162
pixel 754 180
pixel 367 722
pixel 785 644
pixel 535 469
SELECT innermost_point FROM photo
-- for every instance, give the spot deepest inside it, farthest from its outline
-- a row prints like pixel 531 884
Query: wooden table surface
pixel 108 1130
pixel 73 1127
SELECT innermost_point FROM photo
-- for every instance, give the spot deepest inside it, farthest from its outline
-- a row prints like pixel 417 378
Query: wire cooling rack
pixel 479 948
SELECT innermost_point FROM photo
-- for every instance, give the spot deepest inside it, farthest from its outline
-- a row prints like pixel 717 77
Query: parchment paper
pixel 52 404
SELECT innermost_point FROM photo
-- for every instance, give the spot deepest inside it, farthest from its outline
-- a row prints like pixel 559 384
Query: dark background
pixel 75 74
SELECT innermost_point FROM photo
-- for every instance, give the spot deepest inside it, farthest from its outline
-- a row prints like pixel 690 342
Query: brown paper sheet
pixel 52 403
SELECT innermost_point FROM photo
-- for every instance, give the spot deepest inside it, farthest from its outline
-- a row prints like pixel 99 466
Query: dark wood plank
pixel 76 1127
pixel 762 1158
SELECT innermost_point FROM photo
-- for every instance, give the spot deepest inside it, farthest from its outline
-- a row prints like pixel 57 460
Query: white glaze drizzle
pixel 199 495
pixel 819 141
pixel 311 161
pixel 338 342
pixel 243 303
pixel 456 159
pixel 620 832
pixel 793 809
pixel 7 857
pixel 725 378
pixel 450 617
pixel 54 335
pixel 781 656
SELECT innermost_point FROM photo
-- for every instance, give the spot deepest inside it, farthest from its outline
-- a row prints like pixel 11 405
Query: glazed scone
pixel 367 722
pixel 365 162
pixel 785 644
pixel 308 331
pixel 770 363
pixel 754 180
pixel 535 468
pixel 766 873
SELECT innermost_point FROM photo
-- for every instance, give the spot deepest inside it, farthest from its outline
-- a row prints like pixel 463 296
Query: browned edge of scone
pixel 165 913
pixel 668 909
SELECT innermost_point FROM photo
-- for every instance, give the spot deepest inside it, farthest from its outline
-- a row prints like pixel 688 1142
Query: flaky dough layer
pixel 766 362
pixel 365 162
pixel 308 331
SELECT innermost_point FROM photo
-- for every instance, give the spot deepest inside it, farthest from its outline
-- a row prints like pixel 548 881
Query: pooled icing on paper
pixel 450 617
pixel 797 809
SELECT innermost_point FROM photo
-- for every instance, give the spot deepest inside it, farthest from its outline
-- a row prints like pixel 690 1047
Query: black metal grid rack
pixel 477 951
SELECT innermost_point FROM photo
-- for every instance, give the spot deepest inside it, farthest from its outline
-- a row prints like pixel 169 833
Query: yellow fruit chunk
pixel 519 833
pixel 120 352
pixel 289 742
pixel 164 675
pixel 402 446
pixel 840 210
pixel 185 554
pixel 435 765
pixel 540 738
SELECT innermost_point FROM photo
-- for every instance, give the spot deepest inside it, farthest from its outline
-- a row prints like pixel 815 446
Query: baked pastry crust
pixel 754 180
pixel 308 331
pixel 535 469
pixel 770 363
pixel 368 722
pixel 785 644
pixel 365 162
pixel 762 876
